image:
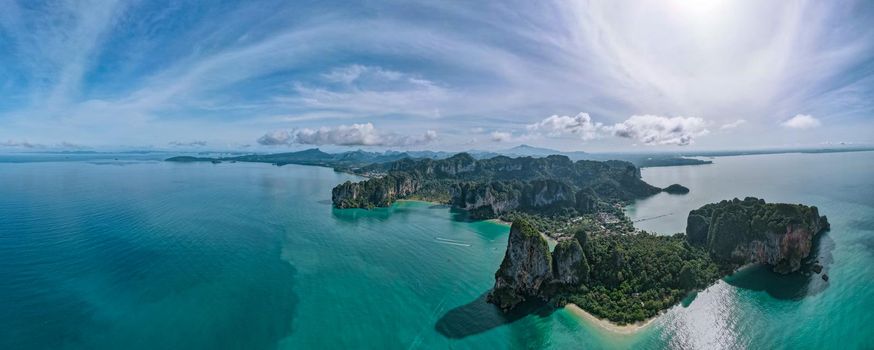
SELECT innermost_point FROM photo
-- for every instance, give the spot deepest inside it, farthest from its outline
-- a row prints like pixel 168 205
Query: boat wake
pixel 451 241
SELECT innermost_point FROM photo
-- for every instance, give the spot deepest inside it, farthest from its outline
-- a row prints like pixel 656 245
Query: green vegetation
pixel 738 231
pixel 349 161
pixel 626 276
pixel 550 192
pixel 635 276
pixel 529 232
pixel 562 222
pixel 188 159
pixel 676 189
pixel 750 218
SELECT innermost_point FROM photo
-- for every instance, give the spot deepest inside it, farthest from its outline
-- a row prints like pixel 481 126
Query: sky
pixel 667 75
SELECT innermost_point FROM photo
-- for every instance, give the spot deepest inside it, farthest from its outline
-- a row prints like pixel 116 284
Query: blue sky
pixel 573 75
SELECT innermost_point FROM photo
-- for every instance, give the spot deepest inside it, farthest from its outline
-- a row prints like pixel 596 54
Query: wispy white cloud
pixel 658 130
pixel 20 144
pixel 56 44
pixel 71 145
pixel 733 124
pixel 646 129
pixel 501 136
pixel 87 69
pixel 344 135
pixel 801 121
pixel 360 73
pixel 31 145
pixel 580 125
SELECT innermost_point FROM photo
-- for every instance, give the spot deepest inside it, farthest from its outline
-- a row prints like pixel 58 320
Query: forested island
pixel 630 277
pixel 340 161
pixel 551 193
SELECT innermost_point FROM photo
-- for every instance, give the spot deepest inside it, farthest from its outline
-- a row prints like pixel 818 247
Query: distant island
pixel 351 160
pixel 676 189
pixel 347 161
pixel 630 277
pixel 339 161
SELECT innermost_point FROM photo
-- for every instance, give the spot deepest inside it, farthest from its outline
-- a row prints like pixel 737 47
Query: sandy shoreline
pixel 500 222
pixel 607 325
pixel 585 315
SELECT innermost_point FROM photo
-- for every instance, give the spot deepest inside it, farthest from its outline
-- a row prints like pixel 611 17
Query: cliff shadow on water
pixel 461 215
pixel 794 286
pixel 400 209
pixel 353 215
pixel 480 316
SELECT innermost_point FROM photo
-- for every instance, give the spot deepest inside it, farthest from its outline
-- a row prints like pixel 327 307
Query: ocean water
pixel 142 254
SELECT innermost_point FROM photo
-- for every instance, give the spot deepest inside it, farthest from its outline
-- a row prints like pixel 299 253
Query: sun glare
pixel 698 8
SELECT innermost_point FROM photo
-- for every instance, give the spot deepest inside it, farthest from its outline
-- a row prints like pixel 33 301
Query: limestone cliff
pixel 751 231
pixel 377 192
pixel 629 277
pixel 530 270
pixel 586 201
pixel 484 200
pixel 546 193
pixel 489 200
pixel 526 268
pixel 490 187
pixel 569 263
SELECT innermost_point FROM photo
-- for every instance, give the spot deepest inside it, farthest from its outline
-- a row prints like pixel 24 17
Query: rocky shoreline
pixel 737 232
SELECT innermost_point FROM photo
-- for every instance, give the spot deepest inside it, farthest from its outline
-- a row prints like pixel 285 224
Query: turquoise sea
pixel 132 253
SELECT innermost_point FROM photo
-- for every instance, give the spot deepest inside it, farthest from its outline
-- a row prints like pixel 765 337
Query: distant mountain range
pixel 530 151
pixel 355 159
pixel 518 151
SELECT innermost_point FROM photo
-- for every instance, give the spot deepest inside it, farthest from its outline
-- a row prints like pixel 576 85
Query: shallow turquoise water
pixel 144 254
pixel 759 309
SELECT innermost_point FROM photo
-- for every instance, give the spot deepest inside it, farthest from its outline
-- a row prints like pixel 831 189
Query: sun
pixel 698 8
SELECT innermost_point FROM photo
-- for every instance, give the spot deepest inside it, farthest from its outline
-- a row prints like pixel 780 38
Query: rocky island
pixel 623 277
pixel 551 193
pixel 526 269
pixel 676 189
pixel 630 277
pixel 739 232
